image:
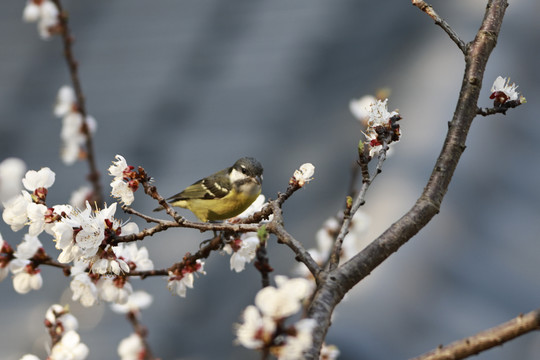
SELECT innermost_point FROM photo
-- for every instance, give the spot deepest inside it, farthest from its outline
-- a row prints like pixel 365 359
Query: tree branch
pixel 73 65
pixel 486 339
pixel 349 213
pixel 499 109
pixel 428 9
pixel 276 227
pixel 142 332
pixel 336 283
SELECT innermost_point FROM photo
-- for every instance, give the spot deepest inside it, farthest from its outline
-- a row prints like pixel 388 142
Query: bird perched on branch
pixel 222 195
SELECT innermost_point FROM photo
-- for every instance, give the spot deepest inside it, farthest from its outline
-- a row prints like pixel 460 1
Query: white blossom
pixel 304 174
pixel 360 108
pixel 58 314
pixel 89 238
pixel 285 299
pixel 48 18
pixel 118 167
pixel 381 127
pixel 131 348
pixel 29 357
pixel 63 236
pixel 15 211
pixel 121 190
pixel 72 137
pixel 65 325
pixel 65 100
pixel 69 347
pixel 84 290
pixel 503 85
pixel 256 330
pixel 11 173
pixel 36 216
pixel 296 345
pixel 28 247
pixel 72 134
pixel 25 277
pixel 247 251
pixel 378 113
pixel 80 196
pixel 31 12
pixel 44 178
pixel 110 266
pixel 130 228
pixel 112 291
pixel 137 301
pixel 45 13
pixel 273 304
pixel 70 152
pixel 132 254
pixel 178 284
pixel 91 232
pixel 329 352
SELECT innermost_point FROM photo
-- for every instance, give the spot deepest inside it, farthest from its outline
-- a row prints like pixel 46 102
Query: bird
pixel 222 195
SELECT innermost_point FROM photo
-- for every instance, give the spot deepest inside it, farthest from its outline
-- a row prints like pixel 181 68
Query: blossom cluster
pixel 133 346
pixel 263 325
pixel 382 127
pixel 98 269
pixel 66 341
pixel 181 277
pixel 29 206
pixel 125 180
pixel 75 126
pixel 45 13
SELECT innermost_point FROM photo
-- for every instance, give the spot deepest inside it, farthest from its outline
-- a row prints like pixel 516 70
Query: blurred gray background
pixel 184 88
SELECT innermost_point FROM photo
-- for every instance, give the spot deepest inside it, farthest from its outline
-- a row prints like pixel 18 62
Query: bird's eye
pixel 244 170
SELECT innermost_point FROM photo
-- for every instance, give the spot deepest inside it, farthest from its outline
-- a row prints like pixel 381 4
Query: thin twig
pixel 73 65
pixel 263 265
pixel 142 332
pixel 486 339
pixel 148 273
pixel 164 225
pixel 349 212
pixel 213 244
pixel 276 227
pixel 428 9
pixel 129 210
pixel 499 109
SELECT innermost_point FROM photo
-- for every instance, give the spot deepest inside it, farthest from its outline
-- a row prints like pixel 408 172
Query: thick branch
pixel 486 339
pixel 341 280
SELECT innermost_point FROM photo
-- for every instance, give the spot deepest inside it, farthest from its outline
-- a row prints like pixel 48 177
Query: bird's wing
pixel 207 188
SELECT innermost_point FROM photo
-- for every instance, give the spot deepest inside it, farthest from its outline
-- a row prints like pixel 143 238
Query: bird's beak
pixel 259 179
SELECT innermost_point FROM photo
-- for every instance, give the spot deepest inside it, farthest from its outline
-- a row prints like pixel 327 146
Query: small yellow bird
pixel 222 195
